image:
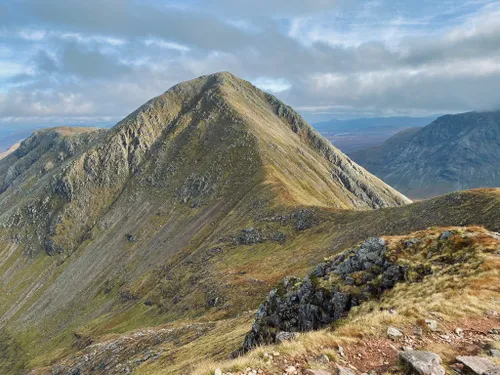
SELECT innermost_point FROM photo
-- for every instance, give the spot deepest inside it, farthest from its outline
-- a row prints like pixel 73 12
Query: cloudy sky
pixel 94 61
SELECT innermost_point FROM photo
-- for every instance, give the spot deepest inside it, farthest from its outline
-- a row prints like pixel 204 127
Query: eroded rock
pixel 479 365
pixel 326 294
pixel 394 333
pixel 422 363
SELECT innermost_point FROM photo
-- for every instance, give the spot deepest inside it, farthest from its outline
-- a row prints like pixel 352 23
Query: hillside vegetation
pixel 444 302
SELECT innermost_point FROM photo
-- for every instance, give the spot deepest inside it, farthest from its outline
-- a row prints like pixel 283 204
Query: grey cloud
pixel 45 62
pixel 133 19
pixel 90 63
pixel 479 44
pixel 273 7
pixel 74 59
pixel 91 79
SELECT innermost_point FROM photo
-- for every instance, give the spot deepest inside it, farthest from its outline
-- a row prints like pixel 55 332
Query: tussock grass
pixel 449 298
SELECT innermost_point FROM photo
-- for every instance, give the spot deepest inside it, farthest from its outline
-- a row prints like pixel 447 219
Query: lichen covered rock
pixel 327 293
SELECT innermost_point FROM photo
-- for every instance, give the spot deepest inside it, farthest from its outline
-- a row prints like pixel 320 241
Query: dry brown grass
pixel 449 298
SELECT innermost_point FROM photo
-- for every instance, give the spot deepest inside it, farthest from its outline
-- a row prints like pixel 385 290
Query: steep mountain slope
pixel 454 152
pixel 109 230
pixel 246 261
pixel 143 247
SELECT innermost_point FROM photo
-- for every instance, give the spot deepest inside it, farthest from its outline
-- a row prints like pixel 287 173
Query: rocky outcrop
pixel 327 293
pixel 358 275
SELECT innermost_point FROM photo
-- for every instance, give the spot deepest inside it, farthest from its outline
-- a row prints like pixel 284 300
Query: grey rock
pixel 345 370
pixel 494 353
pixel 341 351
pixel 418 331
pixel 479 365
pixel 445 235
pixel 322 358
pixel 316 372
pixel 394 333
pixel 422 363
pixel 432 325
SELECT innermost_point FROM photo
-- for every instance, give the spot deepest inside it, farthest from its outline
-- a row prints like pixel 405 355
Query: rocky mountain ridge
pixel 120 222
pixel 455 152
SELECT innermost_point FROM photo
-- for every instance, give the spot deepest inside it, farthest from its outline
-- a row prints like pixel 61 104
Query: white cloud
pixel 166 44
pixel 9 69
pixel 32 35
pixel 272 85
pixel 87 39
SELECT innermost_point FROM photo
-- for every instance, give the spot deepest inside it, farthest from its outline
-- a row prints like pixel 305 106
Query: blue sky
pixel 95 61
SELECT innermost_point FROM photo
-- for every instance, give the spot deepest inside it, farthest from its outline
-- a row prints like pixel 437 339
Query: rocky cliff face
pixel 455 152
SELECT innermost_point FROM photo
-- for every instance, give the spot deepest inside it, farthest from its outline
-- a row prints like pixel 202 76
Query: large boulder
pixel 479 365
pixel 422 363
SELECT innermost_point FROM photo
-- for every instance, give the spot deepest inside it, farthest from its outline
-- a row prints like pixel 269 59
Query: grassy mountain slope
pixel 109 230
pixel 455 152
pixel 237 271
pixel 150 245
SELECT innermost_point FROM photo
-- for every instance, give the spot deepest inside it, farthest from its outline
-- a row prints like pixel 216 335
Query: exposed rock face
pixel 196 142
pixel 327 293
pixel 479 365
pixel 422 363
pixel 455 152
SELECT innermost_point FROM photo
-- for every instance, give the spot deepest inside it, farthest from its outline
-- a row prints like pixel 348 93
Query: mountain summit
pixel 202 140
pixel 117 227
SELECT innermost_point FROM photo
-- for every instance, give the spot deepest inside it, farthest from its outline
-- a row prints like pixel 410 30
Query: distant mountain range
pixel 360 133
pixel 455 152
pixel 370 123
